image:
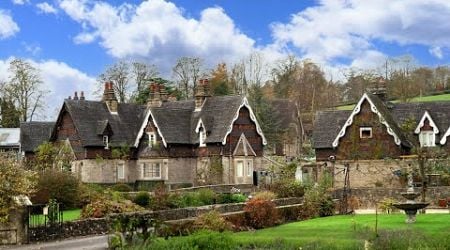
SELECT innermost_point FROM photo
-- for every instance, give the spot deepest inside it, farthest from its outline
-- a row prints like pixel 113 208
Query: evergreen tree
pixel 10 116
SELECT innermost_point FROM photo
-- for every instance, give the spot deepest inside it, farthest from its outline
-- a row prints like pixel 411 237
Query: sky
pixel 72 41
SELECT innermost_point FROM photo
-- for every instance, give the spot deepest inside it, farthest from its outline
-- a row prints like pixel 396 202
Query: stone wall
pixel 222 188
pixel 104 170
pixel 369 197
pixel 13 232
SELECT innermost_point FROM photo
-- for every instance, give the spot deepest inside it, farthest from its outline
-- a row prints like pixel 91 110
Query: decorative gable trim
pixel 246 146
pixel 444 138
pixel 199 125
pixel 144 124
pixel 356 110
pixel 252 117
pixel 425 116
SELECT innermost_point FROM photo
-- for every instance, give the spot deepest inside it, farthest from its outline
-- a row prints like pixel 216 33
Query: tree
pixel 142 73
pixel 120 74
pixel 187 70
pixel 24 89
pixel 9 115
pixel 15 182
pixel 219 80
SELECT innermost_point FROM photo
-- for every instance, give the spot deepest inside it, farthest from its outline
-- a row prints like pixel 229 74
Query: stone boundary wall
pixel 101 225
pixel 368 197
pixel 221 188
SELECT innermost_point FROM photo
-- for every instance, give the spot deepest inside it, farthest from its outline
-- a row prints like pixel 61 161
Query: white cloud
pixel 7 25
pixel 159 30
pixel 46 8
pixel 436 51
pixel 33 49
pixel 337 29
pixel 20 2
pixel 59 80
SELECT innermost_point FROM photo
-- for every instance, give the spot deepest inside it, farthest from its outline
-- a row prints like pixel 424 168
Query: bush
pixel 142 199
pixel 89 193
pixel 231 198
pixel 213 221
pixel 261 213
pixel 206 196
pixel 201 240
pixel 122 187
pixel 104 206
pixel 265 195
pixel 287 188
pixel 58 185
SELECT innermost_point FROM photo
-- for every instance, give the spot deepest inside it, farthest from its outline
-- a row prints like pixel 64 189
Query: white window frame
pixel 365 129
pixel 249 167
pixel 427 138
pixel 106 141
pixel 240 171
pixel 151 165
pixel 202 137
pixel 151 139
pixel 120 171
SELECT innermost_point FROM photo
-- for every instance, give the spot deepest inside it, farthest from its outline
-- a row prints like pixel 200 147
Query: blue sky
pixel 72 41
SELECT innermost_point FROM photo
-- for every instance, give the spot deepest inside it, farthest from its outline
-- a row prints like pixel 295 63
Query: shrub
pixel 261 213
pixel 206 196
pixel 387 205
pixel 104 206
pixel 163 199
pixel 89 193
pixel 265 195
pixel 213 221
pixel 58 185
pixel 142 199
pixel 122 187
pixel 231 198
pixel 201 240
pixel 287 188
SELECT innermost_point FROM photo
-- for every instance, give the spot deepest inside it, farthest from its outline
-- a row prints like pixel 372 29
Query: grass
pixel 347 231
pixel 431 98
pixel 68 215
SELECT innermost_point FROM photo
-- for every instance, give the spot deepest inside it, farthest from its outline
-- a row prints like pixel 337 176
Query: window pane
pixel 249 168
pixel 240 169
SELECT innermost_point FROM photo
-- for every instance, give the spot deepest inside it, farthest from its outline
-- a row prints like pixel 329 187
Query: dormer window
pixel 151 139
pixel 106 141
pixel 427 138
pixel 365 132
pixel 202 135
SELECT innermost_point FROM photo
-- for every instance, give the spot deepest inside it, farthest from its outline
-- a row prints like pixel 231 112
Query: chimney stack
pixel 155 96
pixel 201 93
pixel 109 97
pixel 379 89
pixel 75 96
pixel 82 96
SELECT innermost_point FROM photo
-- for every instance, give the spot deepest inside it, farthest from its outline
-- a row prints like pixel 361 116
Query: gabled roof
pixel 177 121
pixel 426 116
pixel 33 134
pixel 90 117
pixel 329 124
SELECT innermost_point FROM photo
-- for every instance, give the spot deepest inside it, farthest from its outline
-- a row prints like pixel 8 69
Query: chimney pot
pixel 82 95
pixel 75 96
pixel 70 97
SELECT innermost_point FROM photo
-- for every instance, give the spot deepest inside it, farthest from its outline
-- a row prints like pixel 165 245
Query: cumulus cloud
pixel 7 25
pixel 436 51
pixel 20 2
pixel 59 81
pixel 335 29
pixel 46 8
pixel 159 30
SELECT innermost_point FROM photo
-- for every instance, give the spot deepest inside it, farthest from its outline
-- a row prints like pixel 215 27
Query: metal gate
pixel 44 221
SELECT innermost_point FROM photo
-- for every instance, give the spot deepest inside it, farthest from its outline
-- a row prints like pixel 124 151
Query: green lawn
pixel 68 215
pixel 431 98
pixel 348 231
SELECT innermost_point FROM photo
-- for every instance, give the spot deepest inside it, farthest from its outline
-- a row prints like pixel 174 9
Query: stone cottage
pixel 376 137
pixel 211 139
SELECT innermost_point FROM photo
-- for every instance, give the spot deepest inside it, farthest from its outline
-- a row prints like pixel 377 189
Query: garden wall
pixel 368 197
pixel 101 225
pixel 13 231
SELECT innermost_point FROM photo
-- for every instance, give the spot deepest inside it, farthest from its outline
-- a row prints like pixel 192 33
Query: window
pixel 106 141
pixel 249 168
pixel 120 171
pixel 151 170
pixel 240 169
pixel 426 139
pixel 202 137
pixel 151 139
pixel 365 132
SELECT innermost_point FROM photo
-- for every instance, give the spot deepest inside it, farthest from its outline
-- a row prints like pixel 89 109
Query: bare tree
pixel 142 73
pixel 24 88
pixel 187 70
pixel 120 75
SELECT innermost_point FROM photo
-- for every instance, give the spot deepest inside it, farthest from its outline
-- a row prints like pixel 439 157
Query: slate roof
pixel 176 120
pixel 33 134
pixel 90 117
pixel 329 123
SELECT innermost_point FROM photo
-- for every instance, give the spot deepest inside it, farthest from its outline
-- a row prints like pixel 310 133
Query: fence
pixel 45 219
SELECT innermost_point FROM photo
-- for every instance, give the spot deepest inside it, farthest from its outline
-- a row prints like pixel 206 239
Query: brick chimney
pixel 201 93
pixel 82 96
pixel 379 89
pixel 154 98
pixel 75 96
pixel 109 97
